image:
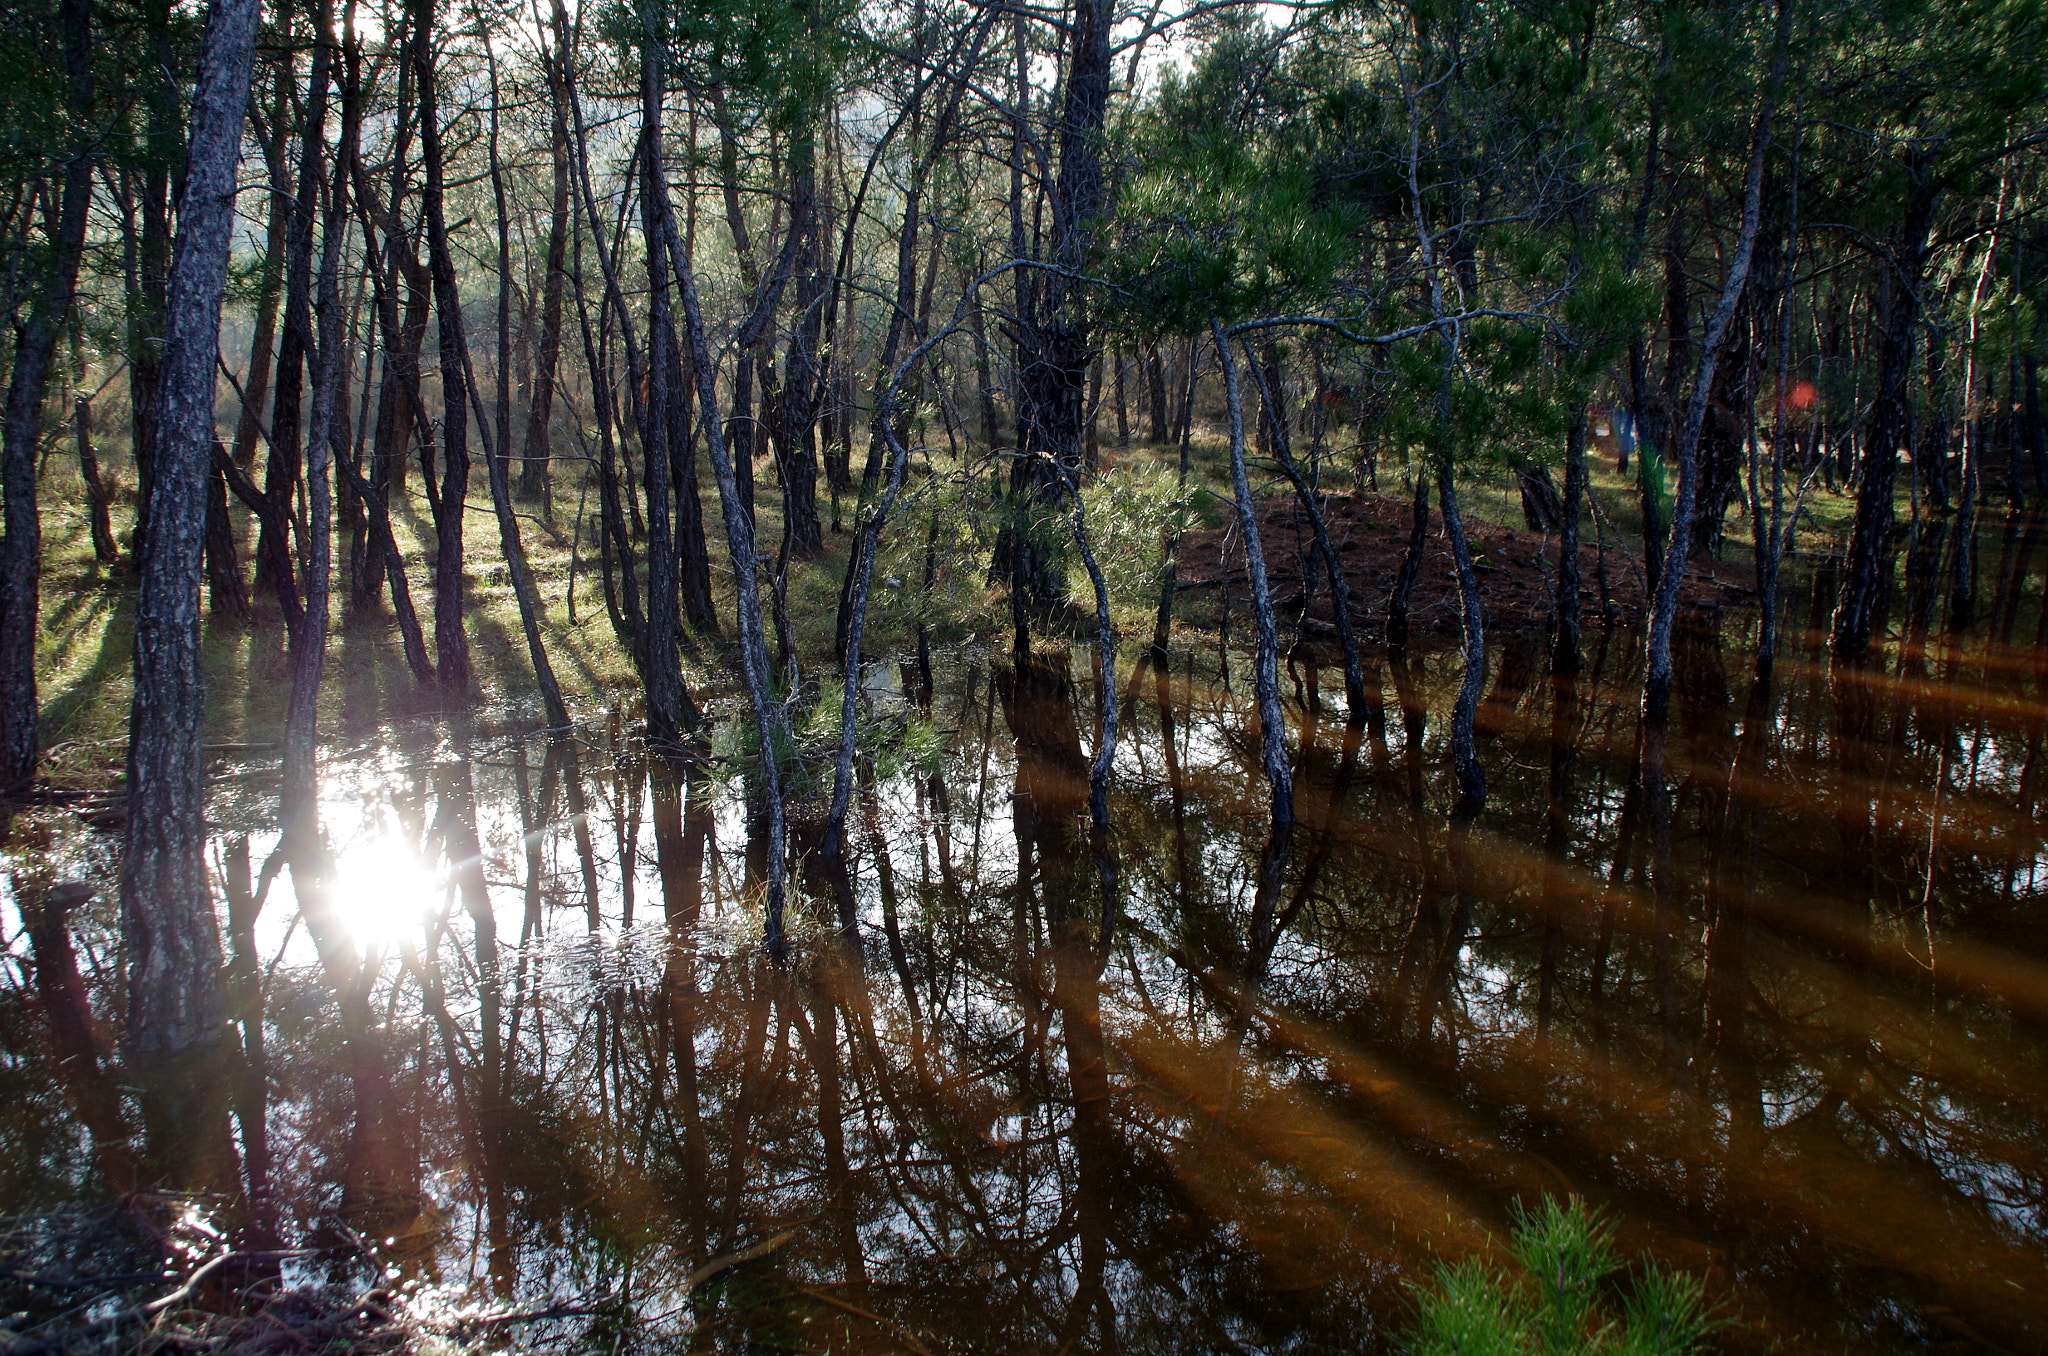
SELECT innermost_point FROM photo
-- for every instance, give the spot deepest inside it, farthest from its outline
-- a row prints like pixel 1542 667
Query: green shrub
pixel 1559 1298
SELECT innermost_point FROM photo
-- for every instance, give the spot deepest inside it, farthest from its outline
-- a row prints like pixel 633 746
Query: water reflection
pixel 1766 981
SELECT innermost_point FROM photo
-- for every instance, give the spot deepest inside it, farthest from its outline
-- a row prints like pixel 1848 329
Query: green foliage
pixel 778 61
pixel 1130 514
pixel 1559 1300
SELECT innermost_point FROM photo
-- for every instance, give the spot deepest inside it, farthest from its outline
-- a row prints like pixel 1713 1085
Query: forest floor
pixel 86 642
pixel 1370 532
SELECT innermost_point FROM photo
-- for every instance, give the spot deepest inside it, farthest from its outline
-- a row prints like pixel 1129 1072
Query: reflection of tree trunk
pixel 1412 972
pixel 1728 940
pixel 1450 954
pixel 74 1041
pixel 244 982
pixel 1558 898
pixel 825 1064
pixel 1077 979
pixel 679 838
pixel 1664 885
pixel 767 983
pixel 176 1009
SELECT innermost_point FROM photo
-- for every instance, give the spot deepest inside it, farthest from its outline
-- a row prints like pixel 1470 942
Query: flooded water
pixel 1769 986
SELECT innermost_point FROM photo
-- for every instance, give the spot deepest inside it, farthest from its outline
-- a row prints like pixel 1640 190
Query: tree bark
pixel 1866 571
pixel 35 345
pixel 1464 753
pixel 281 474
pixel 451 644
pixel 175 1001
pixel 1657 667
pixel 662 672
pixel 1565 639
pixel 533 471
pixel 1266 664
pixel 1411 566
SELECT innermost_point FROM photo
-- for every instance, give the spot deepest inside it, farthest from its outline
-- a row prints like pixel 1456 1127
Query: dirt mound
pixel 1370 533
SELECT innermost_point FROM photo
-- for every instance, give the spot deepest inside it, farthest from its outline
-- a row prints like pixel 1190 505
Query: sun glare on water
pixel 383 893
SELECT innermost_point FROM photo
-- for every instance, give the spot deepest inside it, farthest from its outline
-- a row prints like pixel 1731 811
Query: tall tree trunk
pixel 1657 667
pixel 1054 340
pixel 151 275
pixel 299 798
pixel 281 475
pixel 1866 571
pixel 1565 638
pixel 797 410
pixel 35 346
pixel 533 471
pixel 1333 568
pixel 662 672
pixel 498 450
pixel 176 1008
pixel 1464 753
pixel 451 644
pixel 1266 663
pixel 745 561
pixel 270 290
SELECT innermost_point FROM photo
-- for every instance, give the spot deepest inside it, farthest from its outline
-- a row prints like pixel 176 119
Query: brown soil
pixel 1370 532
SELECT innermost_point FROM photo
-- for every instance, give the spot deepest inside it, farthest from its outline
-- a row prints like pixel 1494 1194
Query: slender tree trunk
pixel 98 501
pixel 299 799
pixel 282 473
pixel 1657 667
pixel 1866 572
pixel 662 672
pixel 277 217
pixel 1565 639
pixel 451 644
pixel 533 472
pixel 1305 495
pixel 754 666
pixel 1464 752
pixel 35 346
pixel 175 1000
pixel 1266 670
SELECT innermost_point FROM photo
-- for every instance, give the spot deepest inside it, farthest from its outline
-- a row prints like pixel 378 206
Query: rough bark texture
pixel 451 645
pixel 1657 665
pixel 540 396
pixel 1266 670
pixel 1411 565
pixel 1565 641
pixel 35 345
pixel 1867 569
pixel 739 535
pixel 661 670
pixel 175 1002
pixel 1052 330
pixel 1464 753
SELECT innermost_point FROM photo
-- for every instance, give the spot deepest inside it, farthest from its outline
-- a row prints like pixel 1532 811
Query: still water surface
pixel 1770 987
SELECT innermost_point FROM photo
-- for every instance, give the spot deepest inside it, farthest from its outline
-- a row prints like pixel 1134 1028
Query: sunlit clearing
pixel 383 892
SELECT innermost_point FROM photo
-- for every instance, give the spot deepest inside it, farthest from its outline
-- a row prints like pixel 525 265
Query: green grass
pixel 84 653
